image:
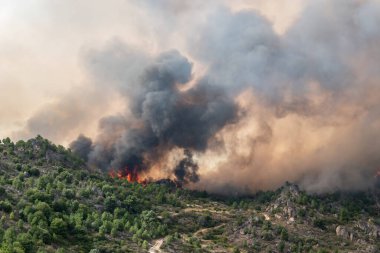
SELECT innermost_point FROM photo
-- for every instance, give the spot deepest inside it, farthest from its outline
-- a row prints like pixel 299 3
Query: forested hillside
pixel 51 202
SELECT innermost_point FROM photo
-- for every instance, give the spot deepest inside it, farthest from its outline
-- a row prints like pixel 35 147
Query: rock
pixel 277 216
pixel 372 249
pixel 290 221
pixel 362 225
pixel 361 241
pixel 342 231
pixel 99 207
pixel 290 211
pixel 375 232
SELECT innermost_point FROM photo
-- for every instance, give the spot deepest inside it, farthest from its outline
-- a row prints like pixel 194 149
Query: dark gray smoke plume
pixel 82 146
pixel 187 169
pixel 163 117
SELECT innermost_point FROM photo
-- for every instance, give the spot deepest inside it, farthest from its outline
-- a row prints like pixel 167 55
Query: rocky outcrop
pixel 375 232
pixel 344 232
pixel 369 228
pixel 285 203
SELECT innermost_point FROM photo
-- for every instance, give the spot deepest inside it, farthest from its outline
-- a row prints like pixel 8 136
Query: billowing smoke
pixel 187 168
pixel 163 117
pixel 240 107
pixel 82 146
pixel 311 98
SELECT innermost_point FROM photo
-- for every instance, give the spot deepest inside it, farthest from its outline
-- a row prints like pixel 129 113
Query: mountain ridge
pixel 50 201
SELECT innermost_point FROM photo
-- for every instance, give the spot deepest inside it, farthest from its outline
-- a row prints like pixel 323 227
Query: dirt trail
pixel 203 230
pixel 156 247
pixel 196 209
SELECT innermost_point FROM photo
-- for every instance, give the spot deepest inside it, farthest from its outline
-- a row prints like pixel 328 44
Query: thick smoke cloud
pixel 187 169
pixel 82 146
pixel 315 88
pixel 163 117
pixel 300 106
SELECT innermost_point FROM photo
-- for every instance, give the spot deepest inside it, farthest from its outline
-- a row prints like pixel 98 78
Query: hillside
pixel 50 202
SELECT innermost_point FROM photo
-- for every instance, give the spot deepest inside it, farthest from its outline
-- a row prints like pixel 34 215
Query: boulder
pixel 375 232
pixel 362 225
pixel 342 231
pixel 372 249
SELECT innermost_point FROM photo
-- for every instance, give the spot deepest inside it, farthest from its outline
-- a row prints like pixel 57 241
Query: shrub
pixel 59 226
pixel 5 206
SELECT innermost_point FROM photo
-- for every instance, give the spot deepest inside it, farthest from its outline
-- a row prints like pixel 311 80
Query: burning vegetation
pixel 131 175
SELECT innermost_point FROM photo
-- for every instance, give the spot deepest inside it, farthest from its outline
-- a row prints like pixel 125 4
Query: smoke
pixel 60 119
pixel 187 169
pixel 239 107
pixel 162 117
pixel 82 146
pixel 310 97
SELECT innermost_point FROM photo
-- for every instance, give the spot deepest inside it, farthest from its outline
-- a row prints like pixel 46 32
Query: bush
pixel 145 245
pixel 5 206
pixel 319 223
pixel 205 221
pixel 284 235
pixel 26 241
pixel 68 193
pixel 110 204
pixel 344 215
pixel 58 226
pixel 2 191
pixel 34 172
pixel 281 246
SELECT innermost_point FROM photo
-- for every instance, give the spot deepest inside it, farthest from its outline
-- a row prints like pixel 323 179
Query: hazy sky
pixel 42 43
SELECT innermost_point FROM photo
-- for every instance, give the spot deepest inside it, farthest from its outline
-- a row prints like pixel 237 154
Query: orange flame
pixel 131 175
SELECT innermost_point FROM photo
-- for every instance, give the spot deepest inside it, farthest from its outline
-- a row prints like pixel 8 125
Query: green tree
pixel 145 245
pixel 44 208
pixel 110 204
pixel 27 242
pixel 344 215
pixel 284 234
pixel 59 226
pixel 281 246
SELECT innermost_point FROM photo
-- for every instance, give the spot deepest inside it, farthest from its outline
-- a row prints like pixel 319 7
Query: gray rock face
pixel 372 249
pixel 342 231
pixel 375 232
pixel 290 211
pixel 369 228
pixel 286 202
pixel 362 225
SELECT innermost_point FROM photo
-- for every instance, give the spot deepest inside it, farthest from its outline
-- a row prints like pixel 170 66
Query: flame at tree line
pixel 131 175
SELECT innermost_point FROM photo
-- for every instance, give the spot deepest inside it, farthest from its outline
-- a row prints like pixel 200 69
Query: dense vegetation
pixel 50 202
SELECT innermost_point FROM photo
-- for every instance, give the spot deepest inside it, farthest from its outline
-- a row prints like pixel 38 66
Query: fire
pixel 131 175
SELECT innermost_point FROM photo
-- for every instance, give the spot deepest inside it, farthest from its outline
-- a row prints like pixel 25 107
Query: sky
pixel 42 44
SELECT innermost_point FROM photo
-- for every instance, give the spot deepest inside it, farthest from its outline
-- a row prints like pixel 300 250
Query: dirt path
pixel 203 230
pixel 196 209
pixel 156 247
